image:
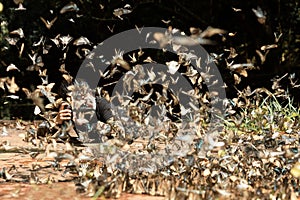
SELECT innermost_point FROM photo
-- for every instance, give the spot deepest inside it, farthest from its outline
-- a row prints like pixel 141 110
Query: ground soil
pixel 22 165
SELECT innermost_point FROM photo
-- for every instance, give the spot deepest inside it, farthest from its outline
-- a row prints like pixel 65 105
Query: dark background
pixel 91 21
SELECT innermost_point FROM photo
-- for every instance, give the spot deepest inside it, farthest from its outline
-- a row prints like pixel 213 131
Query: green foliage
pixel 265 116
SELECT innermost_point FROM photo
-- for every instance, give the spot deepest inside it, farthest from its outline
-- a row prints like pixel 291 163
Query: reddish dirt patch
pixel 60 190
pixel 22 167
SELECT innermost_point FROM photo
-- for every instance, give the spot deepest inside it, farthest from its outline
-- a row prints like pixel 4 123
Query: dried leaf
pixel 47 23
pixel 19 32
pixel 122 11
pixel 37 110
pixel 210 31
pixel 173 66
pixel 82 41
pixel 11 85
pixel 295 171
pixel 70 7
pixel 12 67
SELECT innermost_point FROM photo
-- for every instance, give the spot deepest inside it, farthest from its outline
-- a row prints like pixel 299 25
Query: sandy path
pixel 22 166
